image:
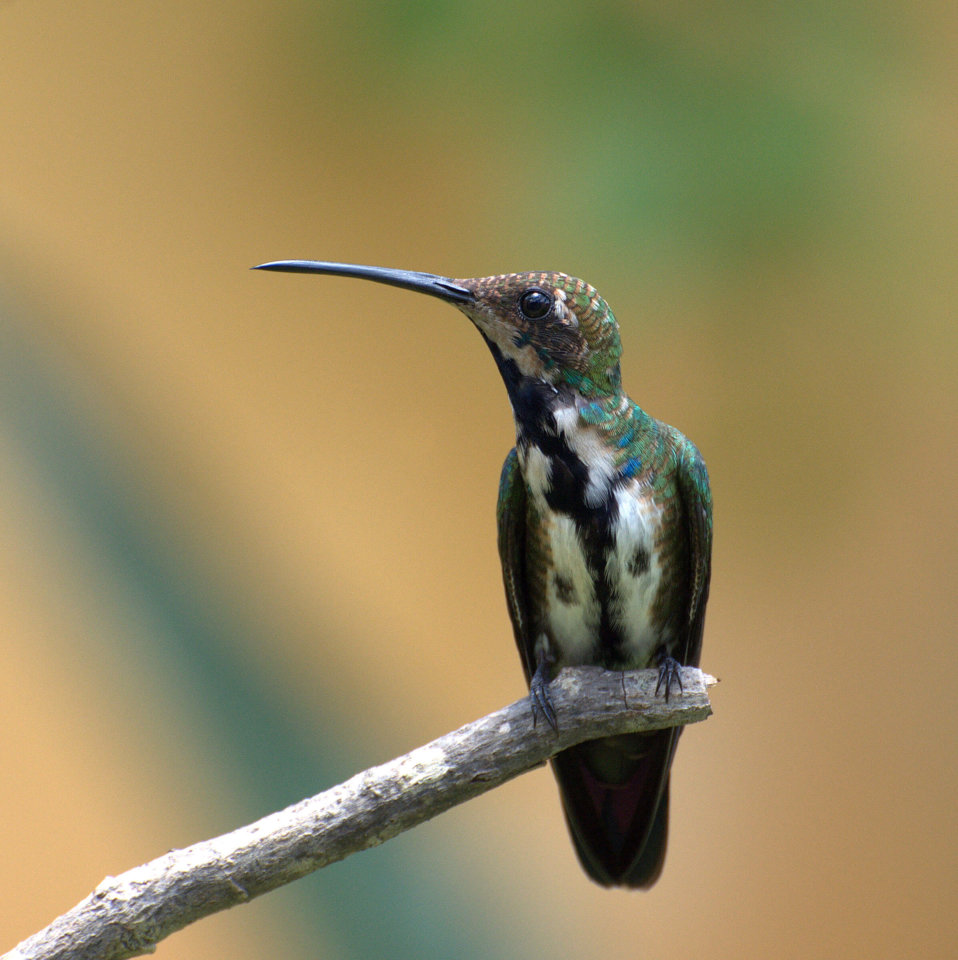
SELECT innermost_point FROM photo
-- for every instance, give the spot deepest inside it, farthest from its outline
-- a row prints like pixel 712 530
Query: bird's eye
pixel 534 304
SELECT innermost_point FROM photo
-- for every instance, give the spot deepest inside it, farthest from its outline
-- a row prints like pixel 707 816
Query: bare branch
pixel 128 915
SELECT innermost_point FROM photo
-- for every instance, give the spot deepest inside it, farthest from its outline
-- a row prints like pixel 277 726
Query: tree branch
pixel 127 915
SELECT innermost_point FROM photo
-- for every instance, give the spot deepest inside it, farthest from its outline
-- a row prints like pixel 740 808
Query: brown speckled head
pixel 556 328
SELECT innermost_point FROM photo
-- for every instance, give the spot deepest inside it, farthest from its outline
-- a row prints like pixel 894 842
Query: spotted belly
pixel 601 587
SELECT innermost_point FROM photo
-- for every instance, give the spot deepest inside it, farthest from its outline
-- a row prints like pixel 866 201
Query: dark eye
pixel 534 304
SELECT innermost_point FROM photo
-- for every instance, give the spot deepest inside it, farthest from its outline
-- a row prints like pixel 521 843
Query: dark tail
pixel 615 793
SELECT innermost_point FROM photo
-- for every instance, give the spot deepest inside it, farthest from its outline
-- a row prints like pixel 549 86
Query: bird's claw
pixel 541 699
pixel 670 671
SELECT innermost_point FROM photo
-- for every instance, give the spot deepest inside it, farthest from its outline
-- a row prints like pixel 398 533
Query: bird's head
pixel 554 328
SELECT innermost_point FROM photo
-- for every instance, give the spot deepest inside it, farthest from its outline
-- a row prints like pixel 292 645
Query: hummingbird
pixel 604 522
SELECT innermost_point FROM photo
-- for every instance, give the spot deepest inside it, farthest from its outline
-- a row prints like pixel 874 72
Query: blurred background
pixel 248 536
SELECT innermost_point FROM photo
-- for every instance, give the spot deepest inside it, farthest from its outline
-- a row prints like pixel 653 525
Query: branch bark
pixel 128 915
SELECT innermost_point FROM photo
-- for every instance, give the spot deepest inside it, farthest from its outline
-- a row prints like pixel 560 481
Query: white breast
pixel 634 571
pixel 572 616
pixel 572 608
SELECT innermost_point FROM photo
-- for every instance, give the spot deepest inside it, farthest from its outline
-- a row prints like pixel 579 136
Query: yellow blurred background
pixel 248 540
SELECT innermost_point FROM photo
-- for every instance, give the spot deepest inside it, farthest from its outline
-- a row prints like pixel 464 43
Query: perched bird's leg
pixel 539 686
pixel 669 673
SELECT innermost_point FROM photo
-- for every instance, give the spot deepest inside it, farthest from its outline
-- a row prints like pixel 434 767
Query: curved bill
pixel 441 287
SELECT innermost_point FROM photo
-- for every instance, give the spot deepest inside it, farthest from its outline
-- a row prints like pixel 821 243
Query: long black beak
pixel 441 287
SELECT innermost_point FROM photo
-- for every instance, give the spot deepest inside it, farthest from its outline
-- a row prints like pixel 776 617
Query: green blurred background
pixel 248 539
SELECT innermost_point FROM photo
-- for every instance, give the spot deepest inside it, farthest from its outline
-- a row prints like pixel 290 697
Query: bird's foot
pixel 540 697
pixel 669 673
